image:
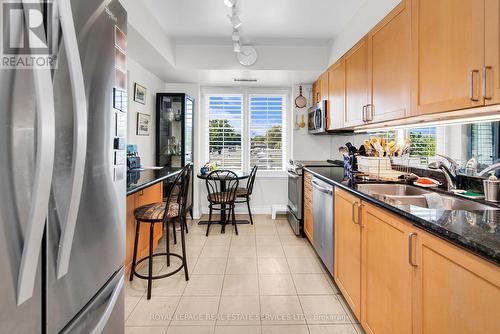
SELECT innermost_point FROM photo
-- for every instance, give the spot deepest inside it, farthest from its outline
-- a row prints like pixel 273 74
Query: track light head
pixel 236 35
pixel 235 21
pixel 230 3
pixel 237 47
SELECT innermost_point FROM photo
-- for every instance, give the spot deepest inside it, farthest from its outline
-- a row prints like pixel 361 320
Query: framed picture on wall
pixel 143 124
pixel 139 93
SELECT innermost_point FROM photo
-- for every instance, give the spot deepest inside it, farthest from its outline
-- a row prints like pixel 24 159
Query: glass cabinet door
pixel 170 132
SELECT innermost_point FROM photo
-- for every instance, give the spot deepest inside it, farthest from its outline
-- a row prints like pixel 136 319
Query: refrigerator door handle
pixel 101 324
pixel 44 164
pixel 79 135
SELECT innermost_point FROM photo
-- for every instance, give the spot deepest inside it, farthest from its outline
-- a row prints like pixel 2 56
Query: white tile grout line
pixel 255 235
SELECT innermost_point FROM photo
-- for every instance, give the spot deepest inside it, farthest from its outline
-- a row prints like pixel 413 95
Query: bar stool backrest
pixel 185 182
pixel 216 192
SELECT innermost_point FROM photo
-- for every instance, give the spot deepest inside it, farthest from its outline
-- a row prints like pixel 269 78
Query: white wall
pixel 145 144
pixel 306 146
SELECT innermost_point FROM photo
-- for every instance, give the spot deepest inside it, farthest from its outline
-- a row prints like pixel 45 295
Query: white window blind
pixel 267 131
pixel 483 142
pixel 423 142
pixel 224 130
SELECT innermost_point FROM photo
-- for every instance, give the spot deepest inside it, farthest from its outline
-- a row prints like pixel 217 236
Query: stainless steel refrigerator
pixel 62 164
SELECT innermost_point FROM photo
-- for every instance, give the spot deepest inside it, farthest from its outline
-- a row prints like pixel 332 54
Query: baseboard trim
pixel 241 209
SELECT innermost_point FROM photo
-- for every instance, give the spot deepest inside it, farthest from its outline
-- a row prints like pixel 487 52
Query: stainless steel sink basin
pixel 449 203
pixel 391 189
pixel 400 194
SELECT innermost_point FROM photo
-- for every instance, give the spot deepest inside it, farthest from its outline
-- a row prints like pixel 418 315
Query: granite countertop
pixel 142 178
pixel 477 231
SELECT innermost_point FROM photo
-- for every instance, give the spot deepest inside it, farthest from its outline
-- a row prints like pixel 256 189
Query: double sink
pixel 400 194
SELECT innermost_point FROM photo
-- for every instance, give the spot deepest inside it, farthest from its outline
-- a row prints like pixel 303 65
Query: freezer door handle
pixel 44 164
pixel 70 215
pixel 101 324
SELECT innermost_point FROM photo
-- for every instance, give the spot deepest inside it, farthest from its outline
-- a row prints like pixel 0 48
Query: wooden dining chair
pixel 221 189
pixel 243 194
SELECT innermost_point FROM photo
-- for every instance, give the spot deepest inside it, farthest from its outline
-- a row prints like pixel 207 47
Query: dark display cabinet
pixel 174 131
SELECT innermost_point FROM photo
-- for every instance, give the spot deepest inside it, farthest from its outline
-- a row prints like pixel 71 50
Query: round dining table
pixel 241 176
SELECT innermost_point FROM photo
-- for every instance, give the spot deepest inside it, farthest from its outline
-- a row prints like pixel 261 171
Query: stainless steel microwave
pixel 317 118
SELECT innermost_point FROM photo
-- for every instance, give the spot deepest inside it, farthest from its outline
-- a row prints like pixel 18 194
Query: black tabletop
pixel 143 178
pixel 239 174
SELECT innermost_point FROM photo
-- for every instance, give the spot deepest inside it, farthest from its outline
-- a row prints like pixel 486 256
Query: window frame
pixel 207 124
pixel 284 129
pixel 246 92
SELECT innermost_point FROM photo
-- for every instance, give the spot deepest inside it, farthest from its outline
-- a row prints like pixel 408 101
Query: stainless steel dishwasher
pixel 323 221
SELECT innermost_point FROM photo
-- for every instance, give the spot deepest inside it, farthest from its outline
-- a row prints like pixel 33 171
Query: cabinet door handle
pixel 364 113
pixel 369 112
pixel 410 248
pixel 485 82
pixel 472 86
pixel 355 205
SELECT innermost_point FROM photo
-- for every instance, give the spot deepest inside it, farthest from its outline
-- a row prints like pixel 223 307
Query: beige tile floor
pixel 265 280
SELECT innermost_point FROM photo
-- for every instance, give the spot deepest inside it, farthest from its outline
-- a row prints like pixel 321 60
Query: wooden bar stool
pixel 174 209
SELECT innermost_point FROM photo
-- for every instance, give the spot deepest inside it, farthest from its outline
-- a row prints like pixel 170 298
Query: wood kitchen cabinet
pixel 448 53
pixel 356 84
pixel 152 194
pixel 389 64
pixel 386 272
pixel 336 95
pixel 455 292
pixel 323 81
pixel 491 71
pixel 316 88
pixel 347 273
pixel 398 278
pixel 308 211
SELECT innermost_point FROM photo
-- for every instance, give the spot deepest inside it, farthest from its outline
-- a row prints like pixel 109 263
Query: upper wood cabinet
pixel 336 96
pixel 455 292
pixel 356 84
pixel 491 72
pixel 347 273
pixel 323 81
pixel 448 54
pixel 387 275
pixel 389 63
pixel 315 91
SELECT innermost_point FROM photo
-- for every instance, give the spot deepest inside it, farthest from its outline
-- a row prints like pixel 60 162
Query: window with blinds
pixel 225 129
pixel 267 131
pixel 423 142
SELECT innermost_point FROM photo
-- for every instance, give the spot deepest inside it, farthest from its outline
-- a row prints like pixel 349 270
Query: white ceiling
pixel 276 22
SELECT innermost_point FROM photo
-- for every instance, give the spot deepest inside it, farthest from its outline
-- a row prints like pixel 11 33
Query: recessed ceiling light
pixel 230 3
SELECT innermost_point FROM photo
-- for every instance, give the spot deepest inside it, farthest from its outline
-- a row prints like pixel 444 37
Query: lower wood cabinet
pixel 308 211
pixel 386 273
pixel 455 291
pixel 347 273
pixel 152 194
pixel 398 278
